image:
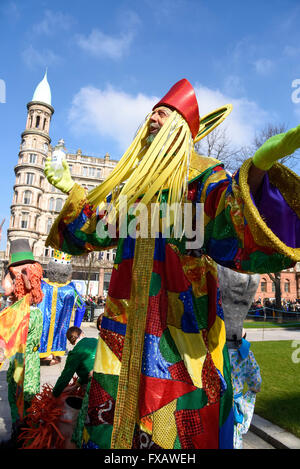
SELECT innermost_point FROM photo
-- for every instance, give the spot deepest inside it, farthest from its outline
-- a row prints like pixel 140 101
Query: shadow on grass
pixel 282 411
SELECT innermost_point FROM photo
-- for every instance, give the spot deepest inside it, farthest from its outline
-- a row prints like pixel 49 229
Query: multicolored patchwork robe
pixel 162 376
pixel 60 302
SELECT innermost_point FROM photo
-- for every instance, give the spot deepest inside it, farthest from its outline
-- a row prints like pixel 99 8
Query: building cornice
pixel 36 132
pixel 40 103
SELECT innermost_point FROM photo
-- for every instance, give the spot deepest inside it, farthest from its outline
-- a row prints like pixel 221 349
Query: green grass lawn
pixel 248 324
pixel 279 398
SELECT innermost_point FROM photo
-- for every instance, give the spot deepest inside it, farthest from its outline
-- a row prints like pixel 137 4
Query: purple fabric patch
pixel 277 214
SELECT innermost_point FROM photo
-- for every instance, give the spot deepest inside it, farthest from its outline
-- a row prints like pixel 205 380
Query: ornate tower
pixel 29 186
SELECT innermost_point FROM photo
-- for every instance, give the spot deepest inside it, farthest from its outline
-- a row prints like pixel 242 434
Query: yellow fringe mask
pixel 144 170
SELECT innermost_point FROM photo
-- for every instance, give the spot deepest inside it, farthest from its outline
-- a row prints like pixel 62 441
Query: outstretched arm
pixel 275 148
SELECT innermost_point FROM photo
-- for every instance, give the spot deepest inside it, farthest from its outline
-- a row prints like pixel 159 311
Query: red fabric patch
pixel 157 312
pixel 211 380
pixel 212 299
pixel 213 199
pixel 179 372
pixel 114 341
pixel 120 282
pixel 156 393
pixel 198 428
pixel 175 279
pixel 102 414
pixel 192 191
pixel 97 394
pixel 251 245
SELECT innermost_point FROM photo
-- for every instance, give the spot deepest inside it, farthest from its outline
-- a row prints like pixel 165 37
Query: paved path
pixel 263 334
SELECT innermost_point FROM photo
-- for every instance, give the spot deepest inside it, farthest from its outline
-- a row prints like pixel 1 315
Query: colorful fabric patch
pixel 114 326
pixel 179 372
pixel 168 348
pixel 211 380
pixel 188 320
pixel 164 426
pixel 120 282
pixel 155 393
pixel 156 321
pixel 114 341
pixel 142 440
pixel 153 363
pixel 198 429
pixel 175 278
pixel 155 284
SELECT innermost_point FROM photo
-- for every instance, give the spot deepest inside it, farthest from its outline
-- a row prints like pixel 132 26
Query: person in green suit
pixel 80 360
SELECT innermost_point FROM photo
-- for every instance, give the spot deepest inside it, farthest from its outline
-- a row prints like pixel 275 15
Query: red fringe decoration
pixel 43 418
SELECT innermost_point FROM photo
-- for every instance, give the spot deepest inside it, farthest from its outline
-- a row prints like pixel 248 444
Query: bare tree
pixel 218 145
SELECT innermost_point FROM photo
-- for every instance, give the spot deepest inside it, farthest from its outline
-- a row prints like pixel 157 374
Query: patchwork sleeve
pixel 251 236
pixel 78 229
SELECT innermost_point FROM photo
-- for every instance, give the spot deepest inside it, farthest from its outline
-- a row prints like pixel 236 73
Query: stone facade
pixel 36 203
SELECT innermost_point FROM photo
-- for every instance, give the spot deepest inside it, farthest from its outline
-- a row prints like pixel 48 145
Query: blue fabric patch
pixel 64 306
pixel 153 363
pixel 160 248
pixel 188 320
pixel 128 248
pixel 219 306
pixel 222 249
pixel 114 326
pixel 226 432
pixel 244 349
pixel 222 383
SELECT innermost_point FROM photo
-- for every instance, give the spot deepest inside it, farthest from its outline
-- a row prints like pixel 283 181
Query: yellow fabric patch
pixel 105 360
pixel 193 352
pixel 164 426
pixel 216 341
pixel 175 309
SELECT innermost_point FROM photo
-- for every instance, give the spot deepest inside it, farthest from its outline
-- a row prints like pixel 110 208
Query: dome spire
pixel 43 92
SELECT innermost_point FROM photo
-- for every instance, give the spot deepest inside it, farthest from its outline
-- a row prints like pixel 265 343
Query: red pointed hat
pixel 182 98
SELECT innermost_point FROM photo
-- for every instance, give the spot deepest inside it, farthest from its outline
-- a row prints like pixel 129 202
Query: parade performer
pixel 162 375
pixel 22 284
pixel 60 303
pixel 237 293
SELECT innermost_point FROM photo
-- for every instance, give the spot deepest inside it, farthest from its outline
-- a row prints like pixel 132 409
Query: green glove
pixel 59 178
pixel 277 147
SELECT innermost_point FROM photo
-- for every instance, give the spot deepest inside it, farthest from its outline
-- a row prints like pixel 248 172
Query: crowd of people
pixel 289 309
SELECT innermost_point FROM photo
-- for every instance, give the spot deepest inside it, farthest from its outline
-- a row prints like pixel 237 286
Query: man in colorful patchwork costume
pixel 161 377
pixel 61 302
pixel 23 282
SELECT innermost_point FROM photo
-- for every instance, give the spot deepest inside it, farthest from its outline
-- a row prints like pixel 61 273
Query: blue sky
pixel 109 62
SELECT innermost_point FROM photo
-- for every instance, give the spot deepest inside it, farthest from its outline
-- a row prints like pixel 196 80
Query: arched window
pixel 287 286
pixel 263 285
pixel 16 196
pixel 27 197
pixel 37 122
pixel 32 158
pixel 49 224
pixel 58 205
pixel 51 204
pixel 24 220
pixel 29 178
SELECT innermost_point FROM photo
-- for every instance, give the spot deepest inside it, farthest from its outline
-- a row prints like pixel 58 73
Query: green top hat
pixel 20 252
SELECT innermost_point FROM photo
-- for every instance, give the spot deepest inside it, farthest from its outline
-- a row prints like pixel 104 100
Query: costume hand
pixel 63 181
pixel 277 147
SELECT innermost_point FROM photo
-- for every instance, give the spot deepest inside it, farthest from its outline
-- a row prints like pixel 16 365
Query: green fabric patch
pixel 101 435
pixel 220 227
pixel 177 444
pixel 192 400
pixel 262 263
pixel 226 400
pixel 168 348
pixel 108 382
pixel 155 284
pixel 201 311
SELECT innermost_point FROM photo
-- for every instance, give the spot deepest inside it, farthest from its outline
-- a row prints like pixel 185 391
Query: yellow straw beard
pixel 145 171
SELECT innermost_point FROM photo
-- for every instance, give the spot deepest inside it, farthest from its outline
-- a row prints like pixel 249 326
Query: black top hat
pixel 20 252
